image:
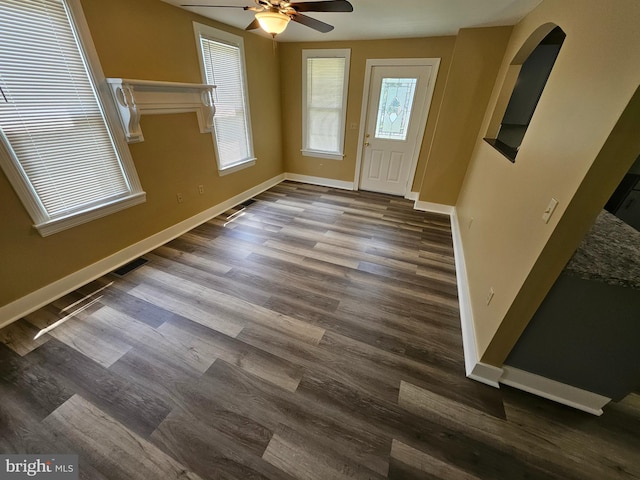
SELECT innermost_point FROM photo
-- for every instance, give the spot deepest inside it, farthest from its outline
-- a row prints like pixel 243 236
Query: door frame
pixel 422 119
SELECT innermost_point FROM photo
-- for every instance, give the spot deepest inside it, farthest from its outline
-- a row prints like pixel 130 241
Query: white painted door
pixel 398 97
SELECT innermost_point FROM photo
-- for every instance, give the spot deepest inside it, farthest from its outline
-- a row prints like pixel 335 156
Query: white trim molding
pixel 233 94
pixel 332 53
pixel 59 224
pixel 423 117
pixel 434 208
pixel 321 154
pixel 474 368
pixel 45 221
pixel 323 182
pixel 45 295
pixel 134 98
pixel 494 376
pixel 552 390
pixel 413 196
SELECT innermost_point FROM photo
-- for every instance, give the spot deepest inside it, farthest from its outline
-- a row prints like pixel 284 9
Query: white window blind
pixel 224 67
pixel 324 100
pixel 51 124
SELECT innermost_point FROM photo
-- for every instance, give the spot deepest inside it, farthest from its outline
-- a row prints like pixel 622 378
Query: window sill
pixel 320 154
pixel 507 151
pixel 250 162
pixel 56 225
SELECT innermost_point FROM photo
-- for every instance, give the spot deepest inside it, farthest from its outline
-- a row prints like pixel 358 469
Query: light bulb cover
pixel 273 22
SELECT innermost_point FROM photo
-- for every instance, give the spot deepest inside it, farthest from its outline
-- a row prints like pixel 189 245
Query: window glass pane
pixel 323 124
pixel 394 109
pixel 325 103
pixel 224 68
pixel 49 114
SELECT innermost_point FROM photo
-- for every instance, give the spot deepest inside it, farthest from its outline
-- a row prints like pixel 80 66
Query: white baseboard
pixel 474 368
pixel 323 182
pixel 412 196
pixel 434 207
pixel 45 295
pixel 558 392
pixel 484 373
pixel 544 387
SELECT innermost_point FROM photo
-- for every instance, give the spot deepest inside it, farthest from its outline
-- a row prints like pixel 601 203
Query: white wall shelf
pixel 134 98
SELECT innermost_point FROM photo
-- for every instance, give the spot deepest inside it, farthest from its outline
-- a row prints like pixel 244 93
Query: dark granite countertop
pixel 609 253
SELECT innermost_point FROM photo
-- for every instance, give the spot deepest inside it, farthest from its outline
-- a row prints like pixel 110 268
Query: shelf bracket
pixel 134 98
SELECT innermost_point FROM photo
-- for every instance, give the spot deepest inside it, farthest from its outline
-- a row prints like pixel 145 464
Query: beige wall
pixel 147 39
pixel 291 74
pixel 569 152
pixel 476 59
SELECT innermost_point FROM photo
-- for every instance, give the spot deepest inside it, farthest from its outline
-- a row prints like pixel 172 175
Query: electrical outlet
pixel 201 189
pixel 490 295
pixel 179 197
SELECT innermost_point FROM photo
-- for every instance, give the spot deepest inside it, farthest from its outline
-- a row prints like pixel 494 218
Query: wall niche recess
pixel 523 86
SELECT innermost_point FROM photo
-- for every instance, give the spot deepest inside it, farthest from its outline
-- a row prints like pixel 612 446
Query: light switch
pixel 550 209
pixel 490 295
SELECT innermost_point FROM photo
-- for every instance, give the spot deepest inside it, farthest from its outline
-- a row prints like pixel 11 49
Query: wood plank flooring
pixel 313 335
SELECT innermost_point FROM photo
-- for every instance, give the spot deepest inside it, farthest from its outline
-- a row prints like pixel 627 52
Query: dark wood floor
pixel 313 335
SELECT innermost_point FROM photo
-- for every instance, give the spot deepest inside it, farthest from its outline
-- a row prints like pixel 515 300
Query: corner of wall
pixel 492 375
pixel 476 60
pixel 474 368
pixel 47 294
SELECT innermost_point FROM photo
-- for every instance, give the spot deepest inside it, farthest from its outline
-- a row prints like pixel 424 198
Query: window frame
pixel 325 53
pixel 44 223
pixel 202 30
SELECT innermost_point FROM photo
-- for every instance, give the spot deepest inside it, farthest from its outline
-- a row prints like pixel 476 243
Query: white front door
pixel 398 103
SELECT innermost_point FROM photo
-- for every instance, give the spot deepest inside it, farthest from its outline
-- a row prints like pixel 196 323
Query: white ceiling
pixel 381 18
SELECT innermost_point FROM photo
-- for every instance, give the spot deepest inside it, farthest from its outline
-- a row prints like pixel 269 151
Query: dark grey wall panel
pixel 531 82
pixel 586 334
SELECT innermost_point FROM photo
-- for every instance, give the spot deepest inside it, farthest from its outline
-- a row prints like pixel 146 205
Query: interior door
pixel 397 95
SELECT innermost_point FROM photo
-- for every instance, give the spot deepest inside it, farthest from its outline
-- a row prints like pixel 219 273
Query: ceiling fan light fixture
pixel 273 22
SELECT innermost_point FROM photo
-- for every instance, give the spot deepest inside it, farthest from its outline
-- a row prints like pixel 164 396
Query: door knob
pixel 366 144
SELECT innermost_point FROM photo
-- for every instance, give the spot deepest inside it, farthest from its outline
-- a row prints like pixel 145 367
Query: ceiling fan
pixel 274 15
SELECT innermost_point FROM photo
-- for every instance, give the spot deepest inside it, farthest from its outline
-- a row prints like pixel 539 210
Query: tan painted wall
pixel 476 60
pixel 291 74
pixel 508 246
pixel 147 39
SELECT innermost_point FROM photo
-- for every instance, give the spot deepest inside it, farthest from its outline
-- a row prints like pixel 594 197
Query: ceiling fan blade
pixel 253 25
pixel 323 6
pixel 215 6
pixel 312 23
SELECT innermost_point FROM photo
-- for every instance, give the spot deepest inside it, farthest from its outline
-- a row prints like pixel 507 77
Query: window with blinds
pixel 222 62
pixel 58 151
pixel 325 76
